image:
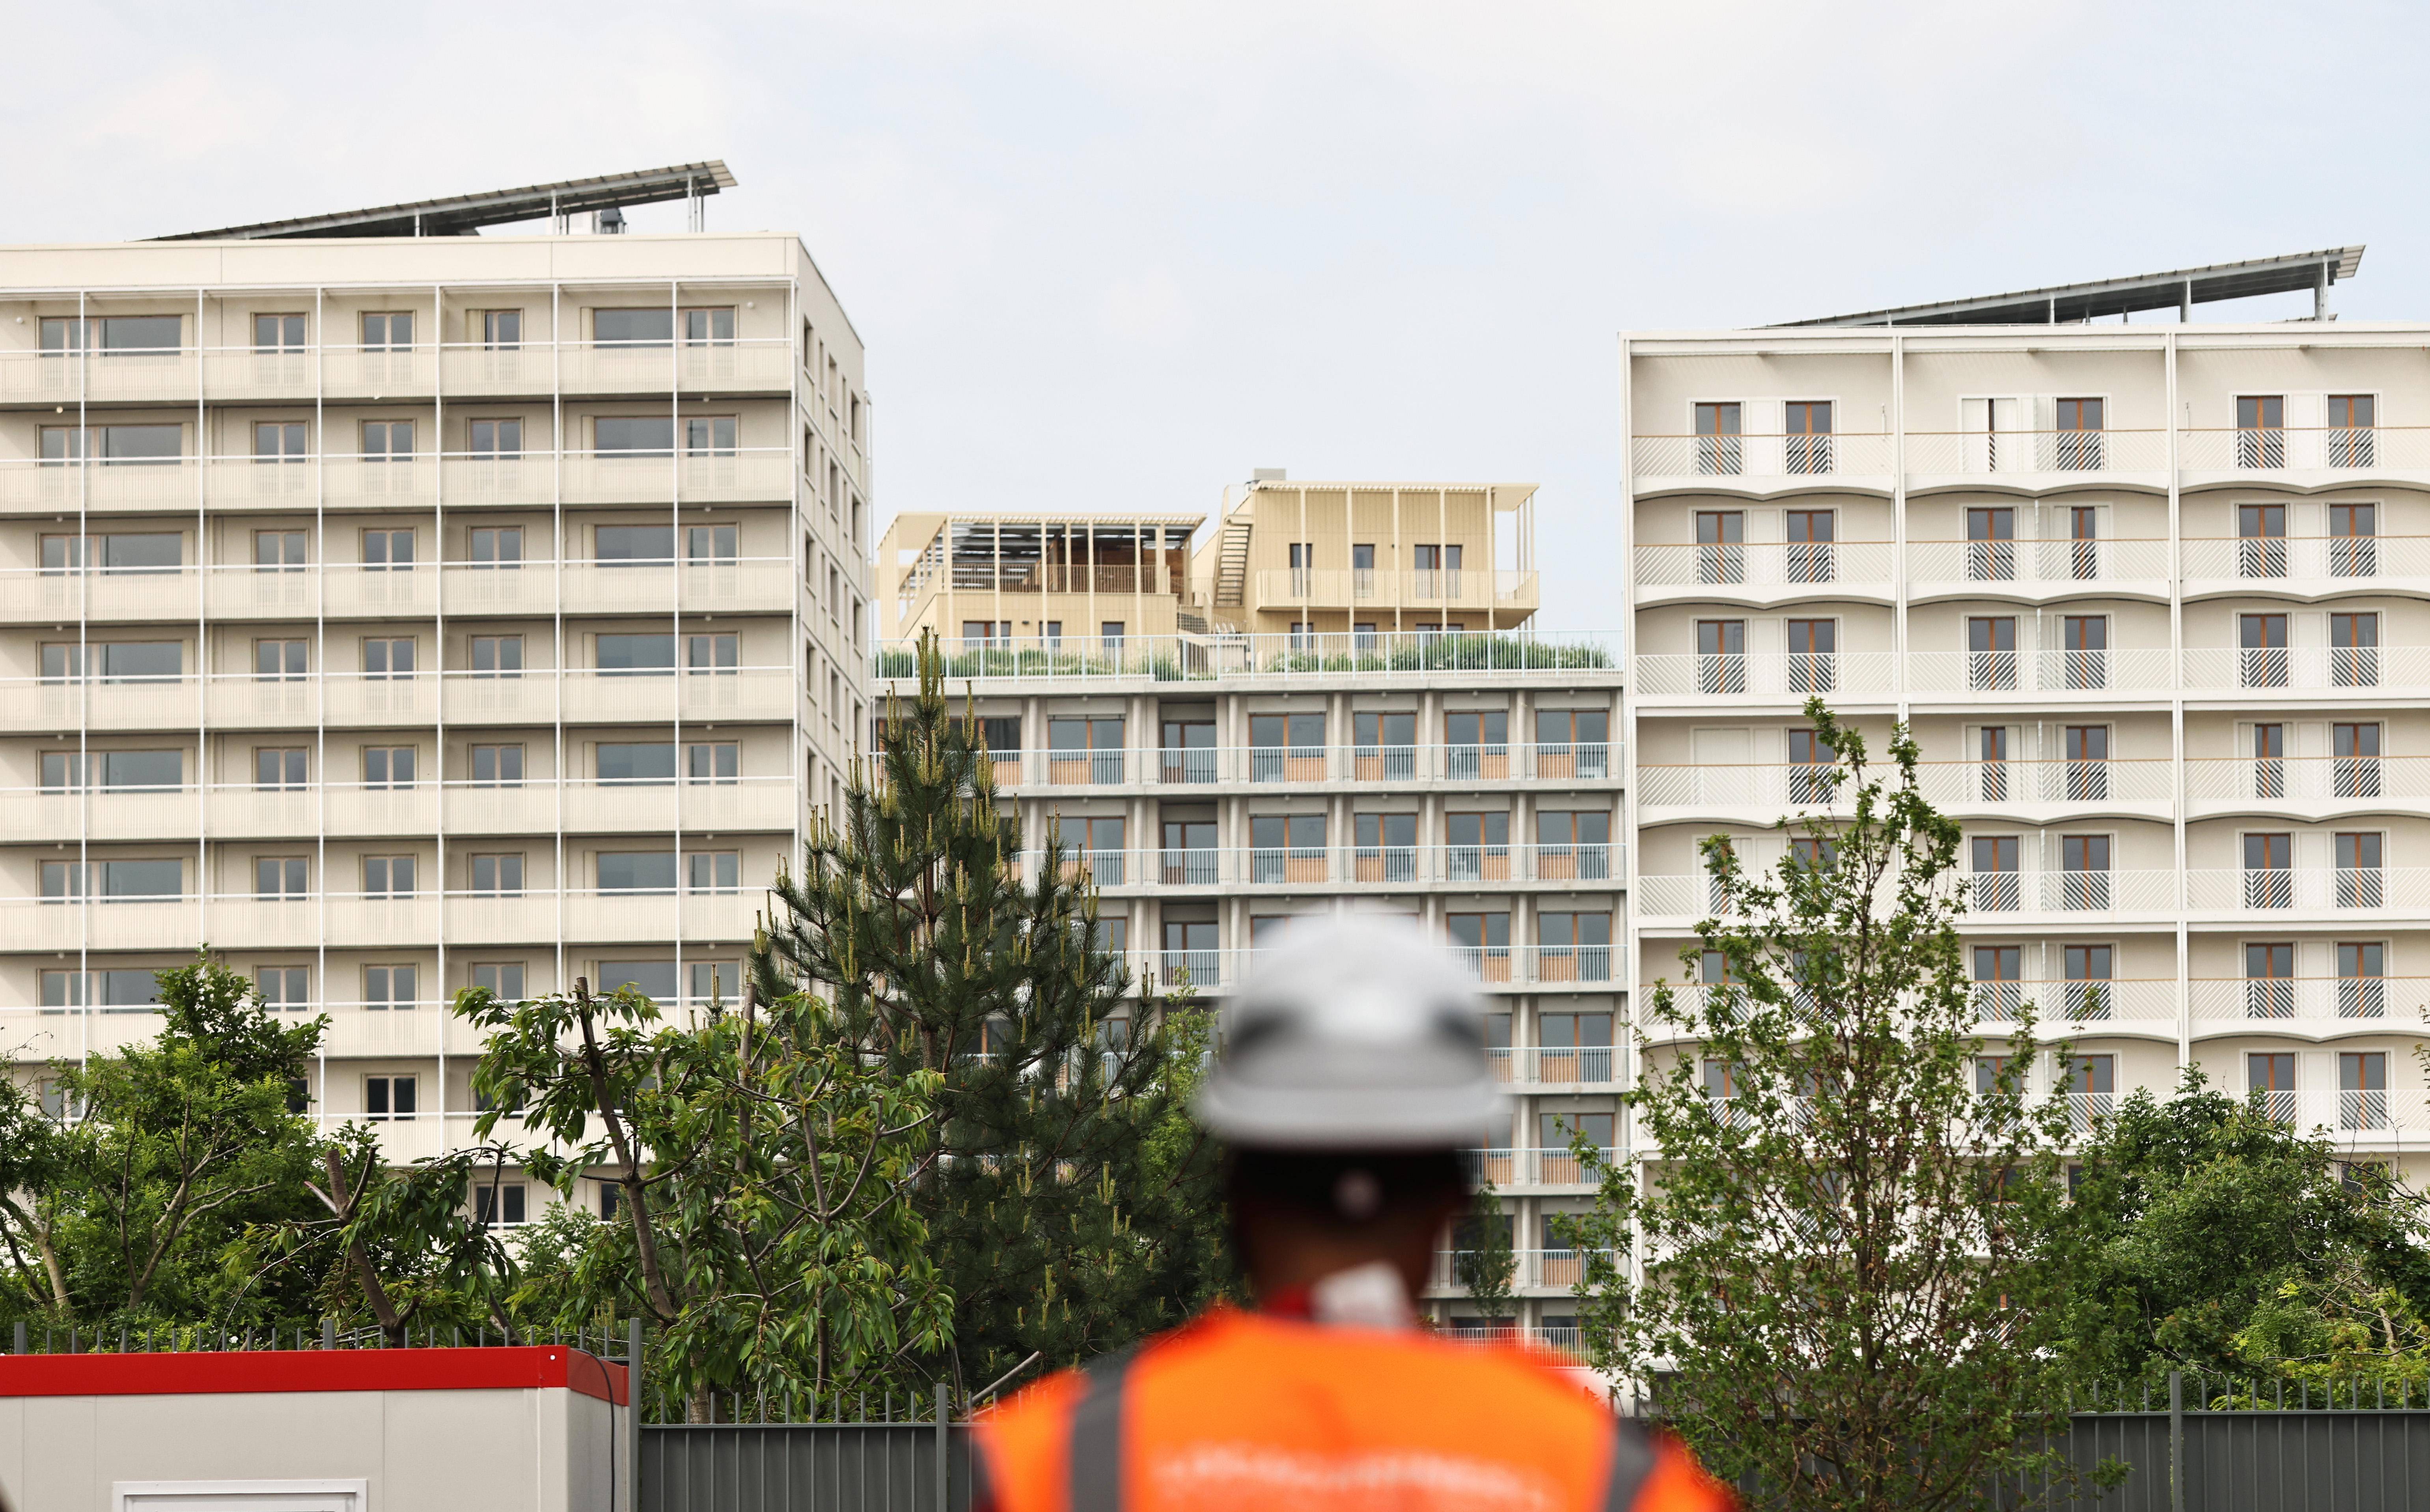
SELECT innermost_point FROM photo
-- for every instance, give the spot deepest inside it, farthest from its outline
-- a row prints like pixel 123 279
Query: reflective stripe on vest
pixel 1096 1461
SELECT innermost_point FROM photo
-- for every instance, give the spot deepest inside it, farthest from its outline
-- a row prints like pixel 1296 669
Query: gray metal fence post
pixel 944 1462
pixel 2176 1442
pixel 328 1333
pixel 633 1412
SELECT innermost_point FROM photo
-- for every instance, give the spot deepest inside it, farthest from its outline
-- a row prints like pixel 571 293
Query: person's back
pixel 1353 1072
pixel 1249 1411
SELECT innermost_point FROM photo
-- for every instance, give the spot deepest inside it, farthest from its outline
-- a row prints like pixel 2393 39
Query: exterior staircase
pixel 1232 565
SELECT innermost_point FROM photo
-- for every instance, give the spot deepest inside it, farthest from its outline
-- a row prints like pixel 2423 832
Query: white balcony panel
pixel 263 593
pixel 2306 668
pixel 751 693
pixel 2217 564
pixel 263 377
pixel 2324 1003
pixel 247 701
pixel 492 700
pixel 2144 672
pixel 1971 783
pixel 380 591
pixel 377 483
pixel 1958 566
pixel 477 481
pixel 500 920
pixel 1763 674
pixel 359 701
pixel 258 923
pixel 2265 891
pixel 529 589
pixel 2327 779
pixel 480 372
pixel 354 373
pixel 167 705
pixel 517 810
pixel 28 814
pixel 146 375
pixel 399 1032
pixel 373 812
pixel 2063 457
pixel 383 924
pixel 172 924
pixel 265 814
pixel 243 483
pixel 597 589
pixel 145 816
pixel 1722 461
pixel 1849 564
pixel 119 485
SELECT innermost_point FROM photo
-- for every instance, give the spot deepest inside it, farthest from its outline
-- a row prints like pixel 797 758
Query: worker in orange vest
pixel 1353 1072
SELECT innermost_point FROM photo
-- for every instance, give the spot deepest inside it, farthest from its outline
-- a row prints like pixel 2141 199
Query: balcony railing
pixel 1986 452
pixel 1369 587
pixel 1314 865
pixel 1286 765
pixel 458 480
pixel 2315 448
pixel 249 921
pixel 2317 669
pixel 2270 558
pixel 1800 455
pixel 1593 966
pixel 1194 657
pixel 2063 892
pixel 2323 888
pixel 1556 1065
pixel 1804 785
pixel 2038 672
pixel 2233 778
pixel 1673 674
pixel 1765 564
pixel 2309 997
pixel 1940 563
pixel 1530 1270
pixel 1511 1167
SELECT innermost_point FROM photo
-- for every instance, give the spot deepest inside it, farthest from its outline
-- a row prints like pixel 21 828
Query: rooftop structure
pixel 2181 289
pixel 465 214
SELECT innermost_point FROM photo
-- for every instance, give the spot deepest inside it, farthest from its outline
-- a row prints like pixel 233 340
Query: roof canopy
pixel 465 214
pixel 2067 303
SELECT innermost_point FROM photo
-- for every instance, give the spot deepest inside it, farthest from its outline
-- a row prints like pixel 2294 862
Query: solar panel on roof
pixel 465 214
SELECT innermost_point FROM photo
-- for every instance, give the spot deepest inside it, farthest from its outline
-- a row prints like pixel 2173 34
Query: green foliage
pixel 763 1168
pixel 1486 1260
pixel 2227 1243
pixel 1073 1207
pixel 1848 1293
pixel 137 1199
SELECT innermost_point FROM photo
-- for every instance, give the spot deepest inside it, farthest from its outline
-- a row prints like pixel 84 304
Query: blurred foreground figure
pixel 1353 1072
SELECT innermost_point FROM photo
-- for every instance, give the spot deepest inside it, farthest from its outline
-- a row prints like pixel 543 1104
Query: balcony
pixel 1494 967
pixel 171 374
pixel 1766 571
pixel 1370 589
pixel 1777 786
pixel 2230 454
pixel 613 807
pixel 2036 459
pixel 1295 867
pixel 2148 1004
pixel 750 366
pixel 2231 564
pixel 2037 568
pixel 2327 782
pixel 46 598
pixel 1509 1169
pixel 1195 658
pixel 2322 1003
pixel 1530 1270
pixel 1761 465
pixel 2335 890
pixel 245 592
pixel 2137 672
pixel 1789 675
pixel 1557 1065
pixel 742 694
pixel 2395 1118
pixel 1993 896
pixel 2305 669
pixel 132 923
pixel 1363 765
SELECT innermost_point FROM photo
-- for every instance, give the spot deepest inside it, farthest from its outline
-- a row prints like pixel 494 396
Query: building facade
pixel 2152 598
pixel 399 616
pixel 1322 729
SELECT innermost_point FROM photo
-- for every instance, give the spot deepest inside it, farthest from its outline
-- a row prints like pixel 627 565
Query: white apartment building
pixel 398 614
pixel 2156 601
pixel 1330 702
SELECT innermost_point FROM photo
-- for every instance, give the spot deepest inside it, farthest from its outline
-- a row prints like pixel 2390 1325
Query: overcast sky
pixel 1116 254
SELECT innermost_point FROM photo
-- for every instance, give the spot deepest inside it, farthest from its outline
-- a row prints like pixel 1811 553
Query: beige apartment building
pixel 404 614
pixel 1283 716
pixel 2156 601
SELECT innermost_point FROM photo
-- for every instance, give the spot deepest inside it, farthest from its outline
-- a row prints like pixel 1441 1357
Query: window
pixel 1813 646
pixel 121 445
pixel 388 876
pixel 2092 1089
pixel 2362 1089
pixel 388 1097
pixel 2268 881
pixel 1110 634
pixel 498 546
pixel 2355 750
pixel 1721 655
pixel 135 661
pixel 278 440
pixel 387 330
pixel 497 875
pixel 501 330
pixel 638 435
pixel 1385 741
pixel 635 764
pixel 1385 847
pixel 2353 650
pixel 63 881
pixel 388 658
pixel 128 334
pixel 388 766
pixel 497 766
pixel 716 654
pixel 1479 845
pixel 497 656
pixel 1483 940
pixel 498 439
pixel 1573 947
pixel 1991 751
pixel 142 880
pixel 2261 430
pixel 654 980
pixel 2269 760
pixel 637 871
pixel 499 1204
pixel 713 870
pixel 2362 984
pixel 64 771
pixel 278 333
pixel 387 549
pixel 713 761
pixel 2083 870
pixel 279 877
pixel 2084 647
pixel 1991 544
pixel 1362 570
pixel 279 549
pixel 140 771
pixel 502 978
pixel 1808 443
pixel 388 440
pixel 636 655
pixel 2087 969
pixel 1084 749
pixel 284 986
pixel 1575 843
pixel 143 552
pixel 1991 651
pixel 2358 878
pixel 2353 540
pixel 63 661
pixel 115 990
pixel 1999 991
pixel 714 545
pixel 634 545
pixel 1996 889
pixel 1287 848
pixel 2350 438
pixel 708 436
pixel 278 767
pixel 1432 559
pixel 63 554
pixel 2261 648
pixel 1573 742
pixel 1811 551
pixel 1717 439
pixel 2077 437
pixel 276 661
pixel 711 326
pixel 1478 743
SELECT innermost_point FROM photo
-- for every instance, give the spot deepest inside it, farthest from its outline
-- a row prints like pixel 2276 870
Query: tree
pixel 1486 1262
pixel 1073 1207
pixel 2227 1242
pixel 401 1245
pixel 173 1152
pixel 762 1166
pixel 1848 1298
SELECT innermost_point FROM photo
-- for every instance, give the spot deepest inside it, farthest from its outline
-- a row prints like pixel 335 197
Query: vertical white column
pixel 2177 702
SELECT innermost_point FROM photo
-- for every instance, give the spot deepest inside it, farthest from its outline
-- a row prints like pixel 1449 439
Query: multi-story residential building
pixel 2153 599
pixel 404 614
pixel 1334 703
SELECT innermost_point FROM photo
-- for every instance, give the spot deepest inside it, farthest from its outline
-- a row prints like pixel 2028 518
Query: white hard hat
pixel 1353 1035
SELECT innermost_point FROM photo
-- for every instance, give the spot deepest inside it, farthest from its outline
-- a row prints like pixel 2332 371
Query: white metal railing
pixel 2339 888
pixel 1530 1270
pixel 1979 452
pixel 2265 777
pixel 1315 864
pixel 2150 1000
pixel 707 475
pixel 2268 558
pixel 2310 997
pixel 2395 1114
pixel 1765 563
pixel 1557 1065
pixel 341 590
pixel 408 370
pixel 1674 675
pixel 1941 562
pixel 1509 1168
pixel 249 921
pixel 2044 672
pixel 1447 588
pixel 1799 455
pixel 1363 764
pixel 2148 779
pixel 1191 656
pixel 536 803
pixel 2062 892
pixel 1594 966
pixel 2248 449
pixel 2310 668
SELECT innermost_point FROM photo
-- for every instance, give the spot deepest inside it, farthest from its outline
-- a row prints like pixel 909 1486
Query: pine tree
pixel 1073 1207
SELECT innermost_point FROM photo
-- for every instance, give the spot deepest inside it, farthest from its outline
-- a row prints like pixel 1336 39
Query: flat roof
pixel 2069 302
pixel 464 214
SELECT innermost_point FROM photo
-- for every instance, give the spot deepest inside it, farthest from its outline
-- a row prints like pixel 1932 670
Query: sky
pixel 1116 254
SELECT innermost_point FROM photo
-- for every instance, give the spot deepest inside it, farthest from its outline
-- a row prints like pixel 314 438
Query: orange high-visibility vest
pixel 1242 1412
